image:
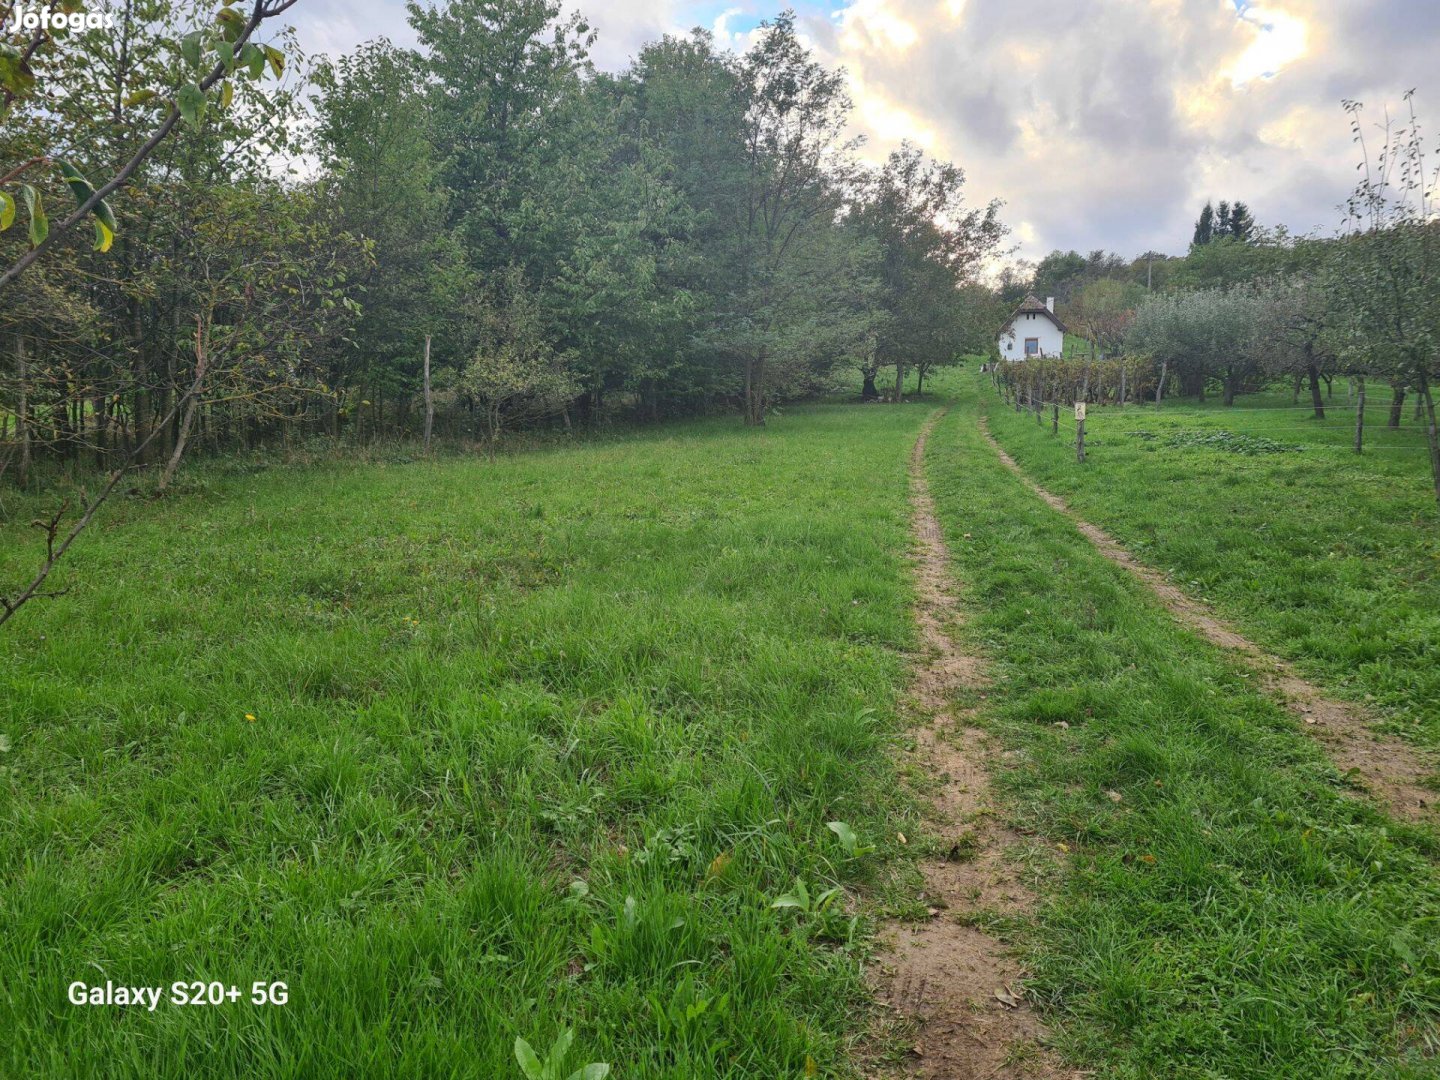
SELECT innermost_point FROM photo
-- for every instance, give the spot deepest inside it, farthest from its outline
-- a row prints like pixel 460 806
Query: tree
pixel 1384 282
pixel 1296 316
pixel 1059 274
pixel 1103 310
pixel 1211 333
pixel 515 375
pixel 930 244
pixel 1204 227
pixel 797 165
pixel 1242 225
pixel 373 138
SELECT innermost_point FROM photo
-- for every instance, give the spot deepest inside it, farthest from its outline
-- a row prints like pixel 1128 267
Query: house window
pixel 1032 346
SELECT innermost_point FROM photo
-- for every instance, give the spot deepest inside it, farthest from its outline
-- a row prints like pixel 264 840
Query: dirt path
pixel 959 986
pixel 1391 770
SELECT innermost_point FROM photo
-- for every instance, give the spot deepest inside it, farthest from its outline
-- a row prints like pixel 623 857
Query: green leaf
pixel 106 216
pixel 15 74
pixel 190 48
pixel 103 236
pixel 559 1049
pixel 232 23
pixel 39 223
pixel 226 52
pixel 788 901
pixel 139 97
pixel 7 211
pixel 276 59
pixel 529 1062
pixel 79 186
pixel 594 1071
pixel 253 56
pixel 227 94
pixel 191 103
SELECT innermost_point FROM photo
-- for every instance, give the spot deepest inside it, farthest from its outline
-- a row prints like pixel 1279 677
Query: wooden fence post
pixel 1055 420
pixel 1359 413
pixel 1080 431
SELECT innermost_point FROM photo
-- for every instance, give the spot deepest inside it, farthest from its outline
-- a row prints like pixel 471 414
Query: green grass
pixel 1235 913
pixel 506 719
pixel 536 744
pixel 1326 558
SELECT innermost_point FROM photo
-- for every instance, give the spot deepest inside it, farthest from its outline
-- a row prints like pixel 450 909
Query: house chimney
pixel 1050 304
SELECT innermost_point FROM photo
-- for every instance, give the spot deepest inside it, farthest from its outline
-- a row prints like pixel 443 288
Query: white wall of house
pixel 1049 340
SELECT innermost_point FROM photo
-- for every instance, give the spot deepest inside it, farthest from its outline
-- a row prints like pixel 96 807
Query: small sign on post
pixel 1079 410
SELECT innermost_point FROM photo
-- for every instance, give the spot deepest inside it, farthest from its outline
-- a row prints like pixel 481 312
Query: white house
pixel 1033 330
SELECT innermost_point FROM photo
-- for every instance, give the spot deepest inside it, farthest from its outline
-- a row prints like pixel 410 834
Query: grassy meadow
pixel 1329 559
pixel 462 752
pixel 1226 908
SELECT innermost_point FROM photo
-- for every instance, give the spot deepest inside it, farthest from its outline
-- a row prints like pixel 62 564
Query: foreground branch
pixel 264 9
pixel 55 552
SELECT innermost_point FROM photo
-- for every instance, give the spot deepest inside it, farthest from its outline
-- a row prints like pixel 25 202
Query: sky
pixel 1098 123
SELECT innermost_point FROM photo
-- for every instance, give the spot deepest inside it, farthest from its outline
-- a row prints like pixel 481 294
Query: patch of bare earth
pixel 962 990
pixel 1393 772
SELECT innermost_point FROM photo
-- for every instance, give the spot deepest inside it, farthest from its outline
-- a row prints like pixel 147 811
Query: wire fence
pixel 1055 414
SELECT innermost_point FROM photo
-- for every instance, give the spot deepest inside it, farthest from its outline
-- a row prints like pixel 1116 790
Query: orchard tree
pixel 1384 285
pixel 1212 333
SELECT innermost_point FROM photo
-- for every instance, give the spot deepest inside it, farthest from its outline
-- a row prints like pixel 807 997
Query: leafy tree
pixel 1210 333
pixel 1059 274
pixel 373 138
pixel 516 374
pixel 213 59
pixel 930 243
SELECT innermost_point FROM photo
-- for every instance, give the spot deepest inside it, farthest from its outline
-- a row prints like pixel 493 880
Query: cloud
pixel 1107 123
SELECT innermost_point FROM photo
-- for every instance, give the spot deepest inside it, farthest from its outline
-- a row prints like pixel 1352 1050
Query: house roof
pixel 1033 305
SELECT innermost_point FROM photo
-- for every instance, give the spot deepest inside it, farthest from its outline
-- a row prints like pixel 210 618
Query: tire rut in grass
pixel 960 987
pixel 1393 772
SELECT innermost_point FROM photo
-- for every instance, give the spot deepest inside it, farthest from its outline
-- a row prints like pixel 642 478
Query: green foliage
pixel 848 840
pixel 1229 441
pixel 552 1068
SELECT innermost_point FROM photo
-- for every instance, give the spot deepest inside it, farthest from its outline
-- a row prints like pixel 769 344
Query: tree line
pixel 479 233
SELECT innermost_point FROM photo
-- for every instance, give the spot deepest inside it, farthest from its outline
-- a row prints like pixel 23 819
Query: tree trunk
pixel 1160 386
pixel 22 415
pixel 1360 414
pixel 191 405
pixel 1397 404
pixel 1432 437
pixel 1314 373
pixel 755 392
pixel 868 391
pixel 430 401
pixel 899 382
